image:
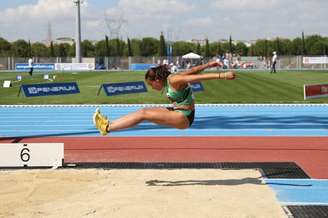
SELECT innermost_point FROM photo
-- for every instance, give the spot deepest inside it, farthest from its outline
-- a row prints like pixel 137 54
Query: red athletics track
pixel 310 153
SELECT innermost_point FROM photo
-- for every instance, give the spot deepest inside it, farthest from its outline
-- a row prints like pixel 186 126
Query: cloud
pixel 151 7
pixel 243 4
pixel 201 22
pixel 184 19
pixel 43 9
pixel 30 20
pixel 153 11
pixel 149 17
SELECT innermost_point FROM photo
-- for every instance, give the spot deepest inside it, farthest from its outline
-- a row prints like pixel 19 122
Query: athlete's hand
pixel 216 63
pixel 229 75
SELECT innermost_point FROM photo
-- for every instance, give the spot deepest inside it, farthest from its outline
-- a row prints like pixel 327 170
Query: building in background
pixel 61 40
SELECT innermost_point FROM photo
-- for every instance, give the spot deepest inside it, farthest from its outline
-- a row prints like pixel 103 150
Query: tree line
pixel 149 46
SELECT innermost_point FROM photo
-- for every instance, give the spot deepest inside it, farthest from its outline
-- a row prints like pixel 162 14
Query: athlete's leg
pixel 161 116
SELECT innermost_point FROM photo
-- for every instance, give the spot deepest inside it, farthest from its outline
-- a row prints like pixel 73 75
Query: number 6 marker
pixel 17 155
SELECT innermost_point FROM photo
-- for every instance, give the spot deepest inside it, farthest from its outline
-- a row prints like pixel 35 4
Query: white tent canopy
pixel 191 56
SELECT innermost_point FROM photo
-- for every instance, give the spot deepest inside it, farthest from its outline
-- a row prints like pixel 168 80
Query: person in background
pixel 226 63
pixel 30 66
pixel 273 62
pixel 173 68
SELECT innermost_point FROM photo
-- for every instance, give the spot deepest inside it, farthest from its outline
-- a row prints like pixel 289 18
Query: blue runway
pixel 211 120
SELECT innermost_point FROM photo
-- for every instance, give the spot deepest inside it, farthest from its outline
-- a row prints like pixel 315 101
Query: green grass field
pixel 249 87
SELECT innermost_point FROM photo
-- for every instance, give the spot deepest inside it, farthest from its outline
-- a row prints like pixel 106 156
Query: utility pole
pixel 78 32
pixel 303 44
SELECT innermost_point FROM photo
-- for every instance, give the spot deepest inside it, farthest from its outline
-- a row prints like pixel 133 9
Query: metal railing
pixel 123 63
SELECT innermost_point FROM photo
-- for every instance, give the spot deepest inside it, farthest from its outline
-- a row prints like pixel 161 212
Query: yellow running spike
pixel 101 122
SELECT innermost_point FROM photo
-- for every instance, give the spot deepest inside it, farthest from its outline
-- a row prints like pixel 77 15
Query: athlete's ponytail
pixel 159 72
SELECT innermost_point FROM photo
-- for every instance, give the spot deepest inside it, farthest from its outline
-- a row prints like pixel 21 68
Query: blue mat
pixel 300 191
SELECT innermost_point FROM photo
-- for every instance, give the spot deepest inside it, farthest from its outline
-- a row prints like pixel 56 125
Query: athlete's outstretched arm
pixel 198 69
pixel 179 81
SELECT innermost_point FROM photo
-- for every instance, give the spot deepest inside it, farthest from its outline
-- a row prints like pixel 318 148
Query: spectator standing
pixel 30 65
pixel 273 62
pixel 173 68
pixel 226 63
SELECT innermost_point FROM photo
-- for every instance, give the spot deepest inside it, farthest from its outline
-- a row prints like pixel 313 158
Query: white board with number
pixel 31 154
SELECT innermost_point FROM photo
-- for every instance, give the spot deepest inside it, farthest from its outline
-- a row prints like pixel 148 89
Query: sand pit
pixel 136 193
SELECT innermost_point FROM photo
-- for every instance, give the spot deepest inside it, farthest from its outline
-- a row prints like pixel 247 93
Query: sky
pixel 177 19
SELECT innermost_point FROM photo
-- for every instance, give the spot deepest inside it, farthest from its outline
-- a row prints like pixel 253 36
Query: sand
pixel 136 193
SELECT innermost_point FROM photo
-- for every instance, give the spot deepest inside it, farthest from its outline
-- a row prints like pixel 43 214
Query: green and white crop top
pixel 179 97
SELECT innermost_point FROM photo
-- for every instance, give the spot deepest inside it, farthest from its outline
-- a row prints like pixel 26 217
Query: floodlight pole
pixel 78 32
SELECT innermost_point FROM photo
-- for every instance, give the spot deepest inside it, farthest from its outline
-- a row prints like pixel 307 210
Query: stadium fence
pixel 123 63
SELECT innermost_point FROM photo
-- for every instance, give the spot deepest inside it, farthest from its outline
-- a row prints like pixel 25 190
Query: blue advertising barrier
pixel 25 67
pixel 141 66
pixel 197 87
pixel 123 88
pixel 33 90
